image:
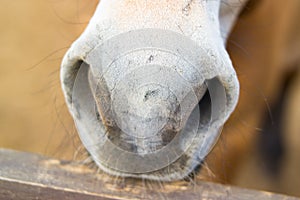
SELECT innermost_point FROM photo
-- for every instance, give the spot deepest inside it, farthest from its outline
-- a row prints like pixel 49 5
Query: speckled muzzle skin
pixel 150 84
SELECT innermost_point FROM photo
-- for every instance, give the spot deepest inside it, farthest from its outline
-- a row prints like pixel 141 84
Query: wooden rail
pixel 29 176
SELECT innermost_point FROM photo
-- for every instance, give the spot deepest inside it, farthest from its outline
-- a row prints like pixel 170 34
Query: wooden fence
pixel 30 176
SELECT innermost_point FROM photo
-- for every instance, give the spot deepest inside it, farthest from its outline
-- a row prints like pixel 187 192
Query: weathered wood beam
pixel 29 176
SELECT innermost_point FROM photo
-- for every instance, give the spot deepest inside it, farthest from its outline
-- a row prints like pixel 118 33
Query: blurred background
pixel 34 36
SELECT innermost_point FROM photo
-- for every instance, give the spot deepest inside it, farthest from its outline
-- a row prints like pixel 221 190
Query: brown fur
pixel 263 46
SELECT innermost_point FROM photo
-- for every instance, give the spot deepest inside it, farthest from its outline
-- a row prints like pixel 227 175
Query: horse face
pixel 150 84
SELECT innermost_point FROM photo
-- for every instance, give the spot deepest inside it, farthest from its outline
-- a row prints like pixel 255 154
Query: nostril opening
pixel 213 105
pixel 74 70
pixel 205 109
pixel 69 78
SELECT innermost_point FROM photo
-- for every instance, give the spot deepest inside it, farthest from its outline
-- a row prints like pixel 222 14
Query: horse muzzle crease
pixel 150 85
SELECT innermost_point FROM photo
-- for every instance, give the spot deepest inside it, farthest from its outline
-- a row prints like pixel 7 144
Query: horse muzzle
pixel 148 97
